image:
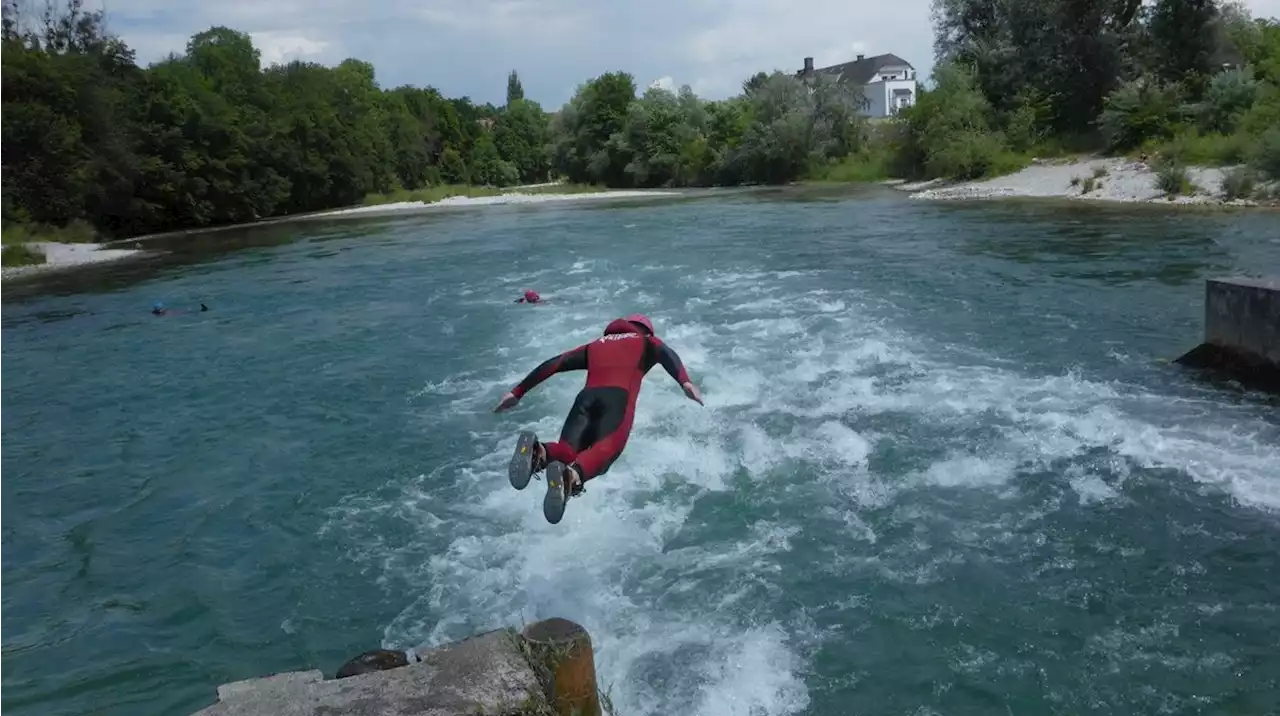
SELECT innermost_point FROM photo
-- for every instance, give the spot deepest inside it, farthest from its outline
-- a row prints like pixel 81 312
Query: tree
pixel 520 136
pixel 598 110
pixel 515 91
pixel 1183 34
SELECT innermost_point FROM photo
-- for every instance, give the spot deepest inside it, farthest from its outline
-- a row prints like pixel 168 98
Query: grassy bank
pixel 77 232
pixel 21 255
pixel 430 195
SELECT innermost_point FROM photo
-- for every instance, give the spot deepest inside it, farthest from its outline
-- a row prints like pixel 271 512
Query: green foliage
pixel 1191 147
pixel 1239 183
pixel 21 255
pixel 1172 178
pixel 949 132
pixel 1229 95
pixel 207 137
pixel 515 90
pixel 1183 39
pixel 1139 111
pixel 1197 81
pixel 520 135
pixel 1265 156
pixel 865 166
pixel 778 131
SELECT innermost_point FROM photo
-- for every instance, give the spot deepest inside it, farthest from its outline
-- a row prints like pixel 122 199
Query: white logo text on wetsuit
pixel 619 336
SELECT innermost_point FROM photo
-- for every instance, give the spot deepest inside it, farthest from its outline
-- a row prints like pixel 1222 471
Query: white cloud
pixel 665 83
pixel 468 48
pixel 283 47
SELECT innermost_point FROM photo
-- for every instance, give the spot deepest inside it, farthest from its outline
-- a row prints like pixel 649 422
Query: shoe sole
pixel 553 503
pixel 521 467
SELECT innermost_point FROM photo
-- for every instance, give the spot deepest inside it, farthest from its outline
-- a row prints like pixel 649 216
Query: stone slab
pixel 485 674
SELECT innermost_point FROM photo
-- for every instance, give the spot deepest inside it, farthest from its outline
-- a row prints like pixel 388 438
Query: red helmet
pixel 641 320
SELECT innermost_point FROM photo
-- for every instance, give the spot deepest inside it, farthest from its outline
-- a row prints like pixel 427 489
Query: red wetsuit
pixel 598 425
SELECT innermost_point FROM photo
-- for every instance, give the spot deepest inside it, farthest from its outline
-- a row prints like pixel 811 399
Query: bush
pixel 21 255
pixel 1239 183
pixel 1139 111
pixel 1229 95
pixel 1022 126
pixel 1206 149
pixel 971 155
pixel 1265 156
pixel 1172 178
pixel 78 231
pixel 861 167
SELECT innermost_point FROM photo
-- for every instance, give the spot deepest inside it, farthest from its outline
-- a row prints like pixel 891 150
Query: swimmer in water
pixel 599 423
pixel 158 309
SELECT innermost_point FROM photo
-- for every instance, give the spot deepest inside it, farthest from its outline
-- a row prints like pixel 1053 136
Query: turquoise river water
pixel 943 468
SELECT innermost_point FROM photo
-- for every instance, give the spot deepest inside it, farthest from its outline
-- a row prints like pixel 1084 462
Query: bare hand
pixel 692 393
pixel 508 401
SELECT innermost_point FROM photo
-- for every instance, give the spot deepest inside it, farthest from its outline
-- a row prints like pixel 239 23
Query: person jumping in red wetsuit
pixel 599 423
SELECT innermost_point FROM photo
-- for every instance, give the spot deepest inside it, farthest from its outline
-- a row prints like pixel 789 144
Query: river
pixel 943 466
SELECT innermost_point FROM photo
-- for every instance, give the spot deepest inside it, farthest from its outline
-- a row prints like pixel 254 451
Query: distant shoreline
pixel 514 197
pixel 1109 179
pixel 62 256
pixel 1116 180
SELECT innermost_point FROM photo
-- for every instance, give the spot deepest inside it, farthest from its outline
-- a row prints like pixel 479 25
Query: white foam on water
pixel 787 373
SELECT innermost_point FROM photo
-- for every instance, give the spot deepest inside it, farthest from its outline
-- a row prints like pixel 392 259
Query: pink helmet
pixel 641 320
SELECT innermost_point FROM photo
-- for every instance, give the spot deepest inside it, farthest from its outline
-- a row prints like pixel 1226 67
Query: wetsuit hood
pixel 619 325
pixel 641 320
pixel 630 324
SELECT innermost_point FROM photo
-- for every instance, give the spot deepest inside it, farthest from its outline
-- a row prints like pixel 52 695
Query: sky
pixel 467 47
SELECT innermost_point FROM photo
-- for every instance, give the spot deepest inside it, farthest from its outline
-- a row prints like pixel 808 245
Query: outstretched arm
pixel 575 359
pixel 670 361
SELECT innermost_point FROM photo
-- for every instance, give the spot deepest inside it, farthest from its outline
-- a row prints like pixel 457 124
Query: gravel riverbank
pixel 1106 178
pixel 61 256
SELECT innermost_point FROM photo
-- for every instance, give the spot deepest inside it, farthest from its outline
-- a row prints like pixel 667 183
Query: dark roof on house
pixel 860 71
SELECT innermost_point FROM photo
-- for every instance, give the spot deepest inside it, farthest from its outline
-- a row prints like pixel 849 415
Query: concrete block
pixel 485 674
pixel 1241 331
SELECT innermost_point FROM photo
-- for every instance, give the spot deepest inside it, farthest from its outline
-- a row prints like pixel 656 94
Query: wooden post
pixel 566 665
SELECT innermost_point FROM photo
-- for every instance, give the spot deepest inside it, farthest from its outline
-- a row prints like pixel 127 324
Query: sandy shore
pixel 1121 180
pixel 60 256
pixel 512 198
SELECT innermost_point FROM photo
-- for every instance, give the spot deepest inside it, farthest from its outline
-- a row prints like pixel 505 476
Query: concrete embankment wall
pixel 546 670
pixel 1241 331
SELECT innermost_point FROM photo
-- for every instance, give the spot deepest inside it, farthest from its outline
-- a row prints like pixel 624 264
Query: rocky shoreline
pixel 1092 179
pixel 62 256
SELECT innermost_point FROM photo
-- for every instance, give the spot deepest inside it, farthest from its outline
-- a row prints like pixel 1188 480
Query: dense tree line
pixel 1190 80
pixel 775 131
pixel 209 137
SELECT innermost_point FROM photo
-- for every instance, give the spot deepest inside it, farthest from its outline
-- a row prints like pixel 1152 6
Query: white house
pixel 887 81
